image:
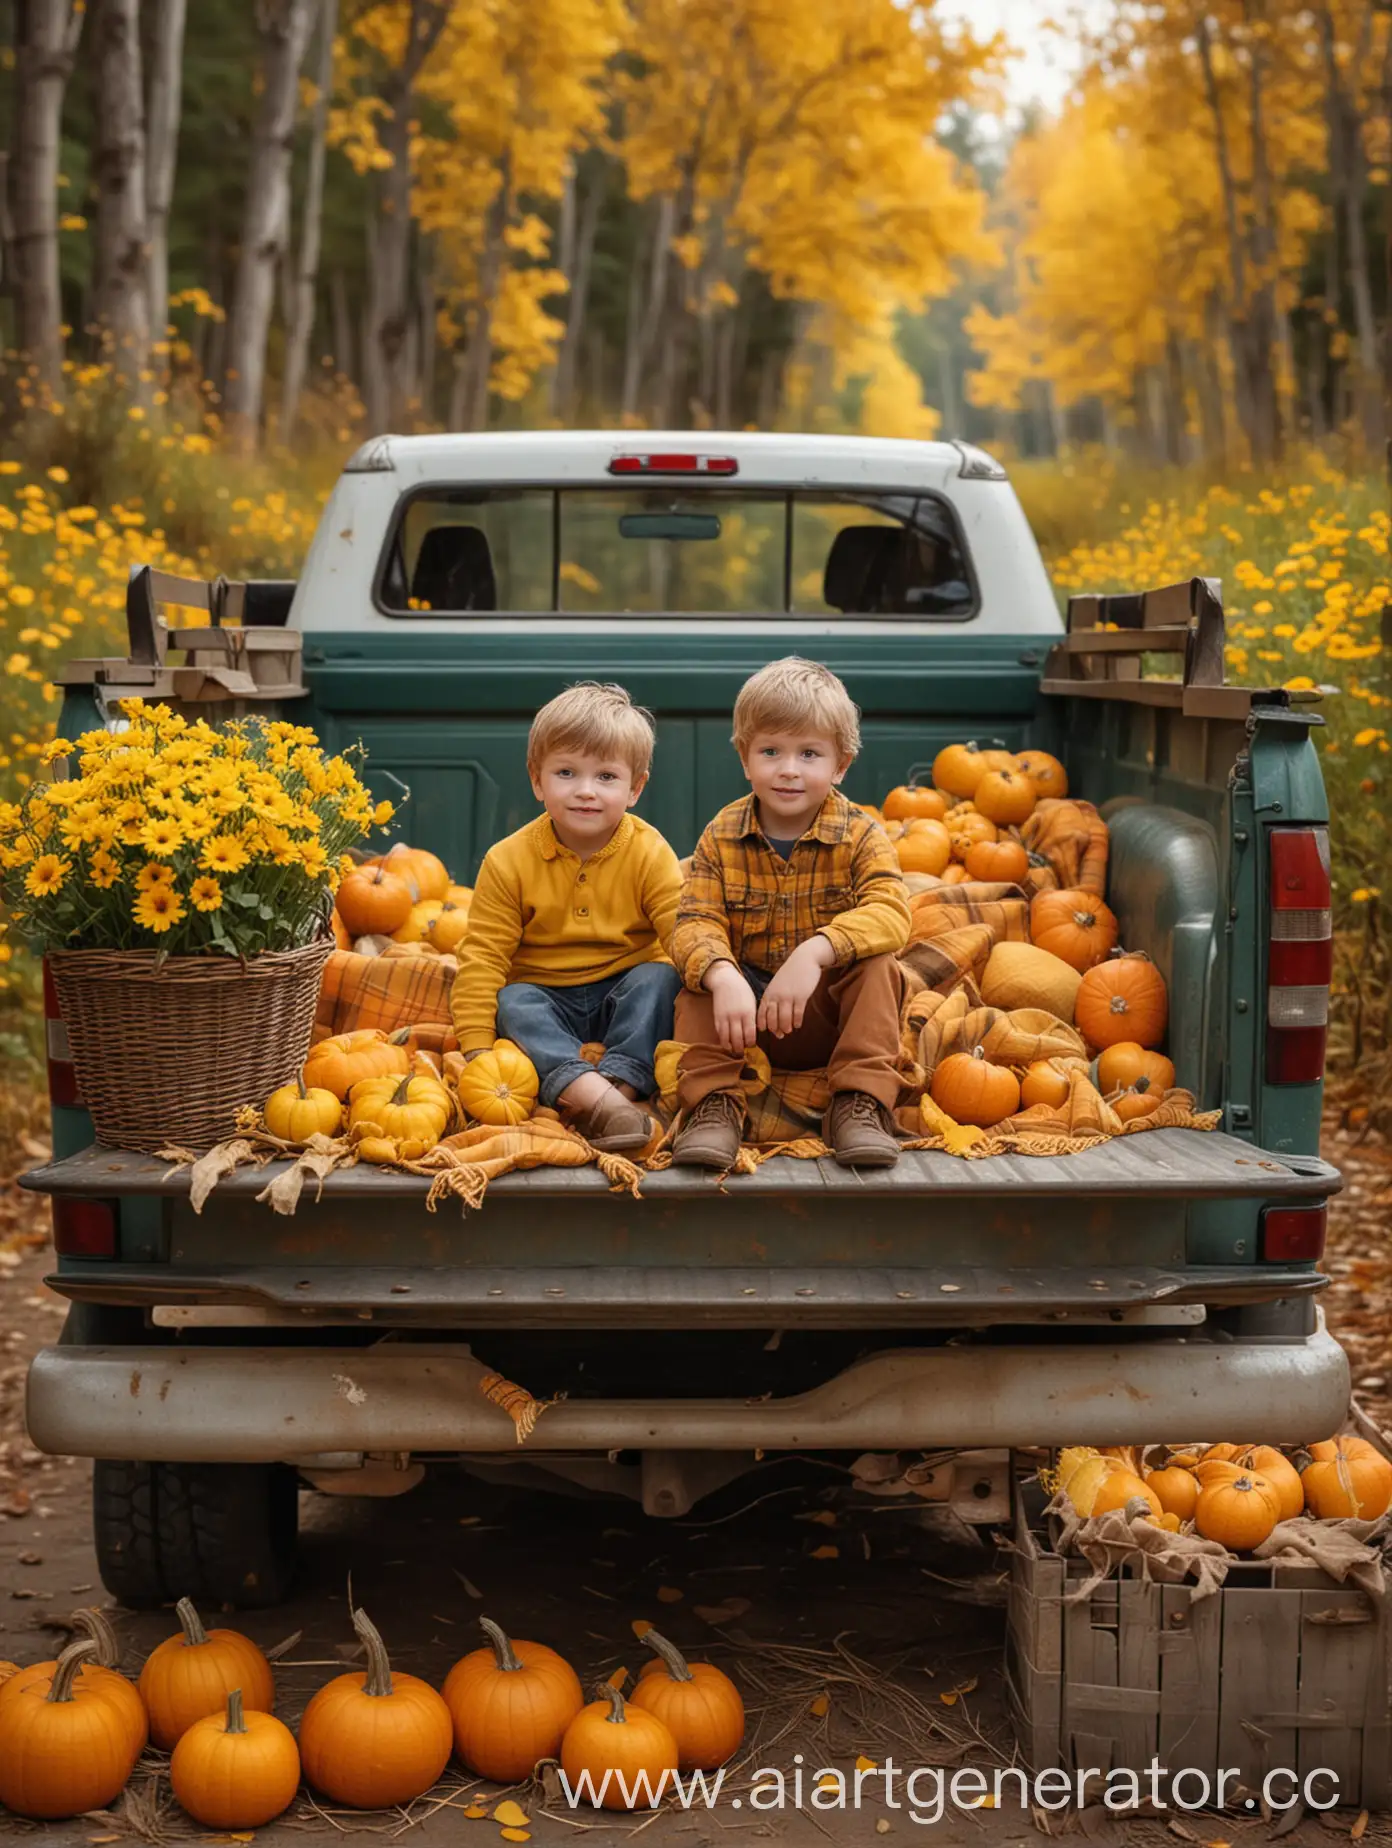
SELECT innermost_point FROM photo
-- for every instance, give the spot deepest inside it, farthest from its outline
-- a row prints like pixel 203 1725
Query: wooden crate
pixel 1282 1668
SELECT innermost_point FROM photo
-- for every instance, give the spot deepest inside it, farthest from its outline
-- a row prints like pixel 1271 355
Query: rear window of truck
pixel 671 551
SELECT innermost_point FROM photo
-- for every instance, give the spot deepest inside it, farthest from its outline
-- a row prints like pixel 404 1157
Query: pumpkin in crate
pixel 499 1087
pixel 339 1063
pixel 1277 1469
pixel 1020 975
pixel 425 875
pixel 1119 1488
pixel 237 1769
pixel 972 1090
pixel 1126 1064
pixel 510 1704
pixel 372 901
pixel 375 1738
pixel 1045 772
pixel 1347 1478
pixel 190 1675
pixel 924 847
pixel 1239 1511
pixel 619 1745
pixel 1006 797
pixel 997 861
pixel 913 802
pixel 398 1119
pixel 1074 926
pixel 294 1113
pixel 98 1670
pixel 697 1702
pixel 1123 998
pixel 64 1745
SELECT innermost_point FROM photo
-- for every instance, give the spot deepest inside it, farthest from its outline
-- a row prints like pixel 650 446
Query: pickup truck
pixel 215 1364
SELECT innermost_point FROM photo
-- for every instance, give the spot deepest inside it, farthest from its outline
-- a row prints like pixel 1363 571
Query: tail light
pixel 1293 1234
pixel 84 1228
pixel 62 1073
pixel 1300 955
pixel 674 465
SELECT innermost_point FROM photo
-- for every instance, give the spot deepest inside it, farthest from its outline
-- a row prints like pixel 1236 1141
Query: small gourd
pixel 510 1703
pixel 235 1769
pixel 499 1087
pixel 190 1675
pixel 620 1746
pixel 697 1702
pixel 408 1114
pixel 375 1738
pixel 294 1113
pixel 64 1745
pixel 1022 975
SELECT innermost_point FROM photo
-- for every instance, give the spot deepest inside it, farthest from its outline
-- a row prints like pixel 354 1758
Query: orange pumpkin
pixel 375 1738
pixel 1176 1490
pixel 448 928
pixel 913 802
pixel 958 769
pixel 342 936
pixel 1120 1487
pixel 1126 1064
pixel 1073 925
pixel 236 1769
pixel 972 1090
pixel 968 831
pixel 64 1748
pixel 100 1670
pixel 422 915
pixel 697 1702
pixel 1281 1473
pixel 424 875
pixel 1006 797
pixel 191 1674
pixel 1347 1478
pixel 510 1703
pixel 632 1747
pixel 337 1064
pixel 956 874
pixel 372 901
pixel 1238 1511
pixel 1044 1083
pixel 924 847
pixel 1046 773
pixel 997 860
pixel 1138 1101
pixel 1123 998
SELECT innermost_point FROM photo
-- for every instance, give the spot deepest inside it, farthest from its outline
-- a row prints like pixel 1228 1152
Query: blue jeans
pixel 629 1013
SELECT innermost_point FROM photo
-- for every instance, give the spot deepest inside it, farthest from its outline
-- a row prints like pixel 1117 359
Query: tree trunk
pixel 1266 330
pixel 306 266
pixel 121 292
pixel 163 98
pixel 342 324
pixel 285 29
pixel 578 273
pixel 46 36
pixel 478 359
pixel 640 348
pixel 1348 166
pixel 389 241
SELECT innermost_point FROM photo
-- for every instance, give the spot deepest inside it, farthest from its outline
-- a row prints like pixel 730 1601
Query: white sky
pixel 1048 60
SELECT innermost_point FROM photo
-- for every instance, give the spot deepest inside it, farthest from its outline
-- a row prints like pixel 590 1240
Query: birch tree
pixel 46 38
pixel 163 99
pixel 285 26
pixel 120 289
pixel 306 267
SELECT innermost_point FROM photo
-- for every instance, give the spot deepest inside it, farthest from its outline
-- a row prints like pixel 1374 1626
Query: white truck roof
pixel 335 592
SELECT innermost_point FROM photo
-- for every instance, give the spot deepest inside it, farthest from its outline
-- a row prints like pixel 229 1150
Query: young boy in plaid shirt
pixel 788 930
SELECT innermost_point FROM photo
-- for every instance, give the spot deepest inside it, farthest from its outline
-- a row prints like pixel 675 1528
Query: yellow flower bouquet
pixel 179 880
pixel 183 838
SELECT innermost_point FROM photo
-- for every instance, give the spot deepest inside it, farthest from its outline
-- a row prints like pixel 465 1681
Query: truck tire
pixel 219 1533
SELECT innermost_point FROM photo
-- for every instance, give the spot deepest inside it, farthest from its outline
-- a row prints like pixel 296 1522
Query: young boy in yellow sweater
pixel 572 920
pixel 790 922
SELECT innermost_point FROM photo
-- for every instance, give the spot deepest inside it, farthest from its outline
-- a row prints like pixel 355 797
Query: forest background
pixel 234 238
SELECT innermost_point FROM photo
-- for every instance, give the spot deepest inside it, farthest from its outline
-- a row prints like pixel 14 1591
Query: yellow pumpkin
pixel 1119 1488
pixel 924 847
pixel 1019 975
pixel 417 925
pixel 410 1114
pixel 295 1112
pixel 446 930
pixel 499 1087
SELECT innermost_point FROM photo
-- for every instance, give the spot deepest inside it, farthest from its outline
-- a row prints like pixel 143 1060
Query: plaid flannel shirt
pixel 742 902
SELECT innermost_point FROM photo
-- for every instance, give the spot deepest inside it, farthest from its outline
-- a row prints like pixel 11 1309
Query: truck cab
pixel 1160 1286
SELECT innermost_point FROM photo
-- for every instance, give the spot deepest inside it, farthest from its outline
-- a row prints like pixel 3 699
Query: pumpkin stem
pixel 379 1676
pixel 236 1719
pixel 503 1652
pixel 94 1624
pixel 676 1663
pixel 399 1096
pixel 400 1037
pixel 300 1085
pixel 66 1672
pixel 618 1710
pixel 190 1623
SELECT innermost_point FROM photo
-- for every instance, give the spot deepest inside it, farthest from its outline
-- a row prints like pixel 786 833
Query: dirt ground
pixel 887 1645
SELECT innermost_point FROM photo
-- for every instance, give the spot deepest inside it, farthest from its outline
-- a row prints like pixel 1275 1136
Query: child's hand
pixel 793 986
pixel 735 1007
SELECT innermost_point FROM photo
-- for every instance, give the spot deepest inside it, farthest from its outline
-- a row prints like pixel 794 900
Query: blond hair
pixel 794 695
pixel 598 719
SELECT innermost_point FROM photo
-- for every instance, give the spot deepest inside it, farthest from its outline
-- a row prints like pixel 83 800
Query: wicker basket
pixel 167 1056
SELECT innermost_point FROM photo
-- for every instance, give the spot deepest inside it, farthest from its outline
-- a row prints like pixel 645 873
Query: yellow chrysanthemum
pixel 161 835
pixel 46 875
pixel 154 875
pixel 206 894
pixel 102 870
pixel 159 909
pixel 223 854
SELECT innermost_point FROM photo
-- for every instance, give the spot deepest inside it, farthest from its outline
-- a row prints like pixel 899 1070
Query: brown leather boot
pixel 860 1131
pixel 614 1126
pixel 710 1136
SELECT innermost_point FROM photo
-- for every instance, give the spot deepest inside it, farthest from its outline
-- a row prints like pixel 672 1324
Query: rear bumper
pixel 239 1405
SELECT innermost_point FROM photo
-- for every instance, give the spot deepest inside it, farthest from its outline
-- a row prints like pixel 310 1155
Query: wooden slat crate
pixel 1282 1668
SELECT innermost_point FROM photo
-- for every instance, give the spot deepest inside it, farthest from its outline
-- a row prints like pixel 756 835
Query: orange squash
pixel 997 860
pixel 1123 998
pixel 1139 1101
pixel 967 830
pixel 372 901
pixel 1006 797
pixel 913 802
pixel 1126 1064
pixel 924 847
pixel 612 1740
pixel 972 1090
pixel 375 1738
pixel 697 1702
pixel 448 928
pixel 1281 1473
pixel 1176 1490
pixel 64 1748
pixel 1122 1486
pixel 1073 925
pixel 191 1674
pixel 237 1769
pixel 958 769
pixel 98 1669
pixel 510 1703
pixel 1239 1511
